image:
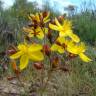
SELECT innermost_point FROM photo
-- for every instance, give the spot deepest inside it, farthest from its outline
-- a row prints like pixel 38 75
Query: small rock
pixel 5 90
pixel 1 87
pixel 14 82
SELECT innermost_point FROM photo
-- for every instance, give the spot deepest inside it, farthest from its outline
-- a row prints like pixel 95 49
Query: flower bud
pixel 45 14
pixel 38 65
pixel 11 51
pixel 11 78
pixel 49 36
pixel 55 62
pixel 15 68
pixel 46 50
pixel 60 18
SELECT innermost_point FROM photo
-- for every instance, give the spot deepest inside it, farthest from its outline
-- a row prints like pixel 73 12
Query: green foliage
pixel 12 20
pixel 85 26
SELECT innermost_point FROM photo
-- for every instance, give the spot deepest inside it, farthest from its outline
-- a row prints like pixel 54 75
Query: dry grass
pixel 79 81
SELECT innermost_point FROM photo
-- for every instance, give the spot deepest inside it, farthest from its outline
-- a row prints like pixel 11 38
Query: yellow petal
pixel 46 18
pixel 82 47
pixel 57 23
pixel 72 48
pixel 31 16
pixel 62 34
pixel 36 56
pixel 41 35
pixel 54 27
pixel 37 17
pixel 67 24
pixel 28 30
pixel 16 55
pixel 61 50
pixel 30 35
pixel 61 39
pixel 84 57
pixel 74 37
pixel 54 47
pixel 34 47
pixel 23 62
pixel 22 47
pixel 45 30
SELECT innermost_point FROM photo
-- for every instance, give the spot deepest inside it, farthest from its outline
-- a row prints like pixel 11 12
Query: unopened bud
pixel 11 51
pixel 38 65
pixel 49 36
pixel 45 14
pixel 55 62
pixel 46 50
pixel 60 18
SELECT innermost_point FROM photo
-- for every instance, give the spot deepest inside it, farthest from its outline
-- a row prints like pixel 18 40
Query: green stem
pixel 42 71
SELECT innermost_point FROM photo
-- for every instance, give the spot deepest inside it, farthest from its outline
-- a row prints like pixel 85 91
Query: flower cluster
pixel 41 28
pixel 67 40
pixel 37 26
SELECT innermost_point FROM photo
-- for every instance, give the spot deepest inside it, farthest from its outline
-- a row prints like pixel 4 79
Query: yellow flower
pixel 46 17
pixel 34 17
pixel 26 52
pixel 78 49
pixel 38 28
pixel 42 17
pixel 60 45
pixel 38 32
pixel 59 48
pixel 65 29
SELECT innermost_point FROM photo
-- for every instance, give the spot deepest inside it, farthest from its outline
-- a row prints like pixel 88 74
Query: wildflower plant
pixel 40 43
